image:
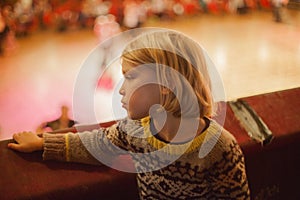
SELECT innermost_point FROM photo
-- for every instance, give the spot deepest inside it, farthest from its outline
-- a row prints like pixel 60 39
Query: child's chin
pixel 135 117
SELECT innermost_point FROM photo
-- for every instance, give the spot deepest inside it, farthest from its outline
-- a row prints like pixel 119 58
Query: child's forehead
pixel 142 68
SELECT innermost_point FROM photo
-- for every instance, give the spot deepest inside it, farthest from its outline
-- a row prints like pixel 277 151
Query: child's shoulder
pixel 219 142
pixel 223 136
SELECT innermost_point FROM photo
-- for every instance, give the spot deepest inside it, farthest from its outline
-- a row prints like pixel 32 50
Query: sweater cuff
pixel 54 147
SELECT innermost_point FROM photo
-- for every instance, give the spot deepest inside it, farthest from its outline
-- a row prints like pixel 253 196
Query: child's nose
pixel 122 91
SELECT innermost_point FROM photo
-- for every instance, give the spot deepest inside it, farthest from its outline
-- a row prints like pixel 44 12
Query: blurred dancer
pixel 276 9
pixel 105 26
pixel 3 32
pixel 7 31
pixel 135 13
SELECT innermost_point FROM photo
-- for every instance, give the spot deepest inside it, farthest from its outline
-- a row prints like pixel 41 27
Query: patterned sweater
pixel 211 166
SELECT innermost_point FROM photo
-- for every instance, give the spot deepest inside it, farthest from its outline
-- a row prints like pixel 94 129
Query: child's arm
pixel 61 147
pixel 81 128
pixel 78 128
pixel 66 147
pixel 70 147
pixel 73 129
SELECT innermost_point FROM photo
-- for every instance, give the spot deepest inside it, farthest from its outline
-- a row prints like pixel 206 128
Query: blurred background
pixel 254 44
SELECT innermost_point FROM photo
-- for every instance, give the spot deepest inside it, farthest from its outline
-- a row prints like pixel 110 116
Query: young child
pixel 178 150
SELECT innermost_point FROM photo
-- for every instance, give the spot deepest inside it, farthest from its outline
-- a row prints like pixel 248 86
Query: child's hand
pixel 26 142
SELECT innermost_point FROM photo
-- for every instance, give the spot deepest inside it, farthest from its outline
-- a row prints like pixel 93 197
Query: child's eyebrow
pixel 124 71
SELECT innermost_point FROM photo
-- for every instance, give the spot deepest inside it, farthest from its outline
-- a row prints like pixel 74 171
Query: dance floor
pixel 253 55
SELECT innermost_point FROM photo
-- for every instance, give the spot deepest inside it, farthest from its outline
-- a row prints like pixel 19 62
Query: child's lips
pixel 124 105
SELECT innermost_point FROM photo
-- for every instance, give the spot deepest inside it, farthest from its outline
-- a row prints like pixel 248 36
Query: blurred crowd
pixel 18 18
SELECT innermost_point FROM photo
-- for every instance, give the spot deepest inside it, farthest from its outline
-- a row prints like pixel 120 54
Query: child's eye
pixel 128 76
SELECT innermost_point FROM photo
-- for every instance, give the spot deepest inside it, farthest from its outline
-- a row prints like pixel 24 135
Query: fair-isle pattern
pixel 177 171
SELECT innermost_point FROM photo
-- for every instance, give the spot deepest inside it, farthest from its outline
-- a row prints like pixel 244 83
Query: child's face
pixel 139 91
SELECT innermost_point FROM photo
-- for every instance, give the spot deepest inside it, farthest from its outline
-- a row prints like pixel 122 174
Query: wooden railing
pixel 272 170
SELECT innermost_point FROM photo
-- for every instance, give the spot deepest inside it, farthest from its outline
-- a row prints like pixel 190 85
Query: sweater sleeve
pixel 105 144
pixel 66 147
pixel 101 145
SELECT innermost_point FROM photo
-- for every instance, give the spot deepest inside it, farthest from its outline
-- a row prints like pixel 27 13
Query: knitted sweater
pixel 211 166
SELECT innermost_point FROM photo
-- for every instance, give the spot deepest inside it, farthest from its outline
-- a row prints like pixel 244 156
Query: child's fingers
pixel 16 136
pixel 14 146
pixel 19 137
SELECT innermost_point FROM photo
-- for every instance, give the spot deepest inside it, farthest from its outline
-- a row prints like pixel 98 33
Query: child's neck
pixel 176 129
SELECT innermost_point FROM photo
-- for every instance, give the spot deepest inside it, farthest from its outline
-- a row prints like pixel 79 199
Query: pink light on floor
pixel 38 79
pixel 26 104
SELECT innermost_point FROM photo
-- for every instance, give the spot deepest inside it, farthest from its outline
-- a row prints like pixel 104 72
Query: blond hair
pixel 171 51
